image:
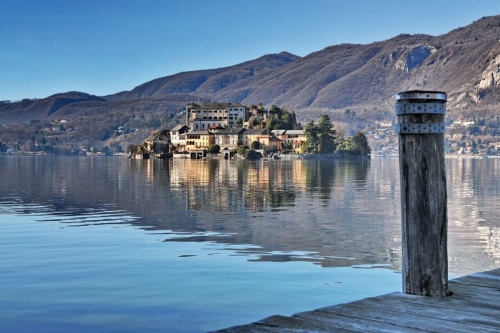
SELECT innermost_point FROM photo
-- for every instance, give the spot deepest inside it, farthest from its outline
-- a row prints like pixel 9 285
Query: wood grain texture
pixel 424 220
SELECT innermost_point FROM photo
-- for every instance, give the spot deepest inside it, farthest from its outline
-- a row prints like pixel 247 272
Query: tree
pixel 362 143
pixel 141 149
pixel 276 110
pixel 239 122
pixel 320 138
pixel 355 146
pixel 349 113
pixel 213 149
pixel 242 150
pixel 327 143
pixel 251 154
pixel 271 124
pixel 254 121
pixel 255 145
pixel 131 148
pixel 281 118
pixel 312 140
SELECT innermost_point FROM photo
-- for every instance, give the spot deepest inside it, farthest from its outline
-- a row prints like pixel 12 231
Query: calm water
pixel 112 245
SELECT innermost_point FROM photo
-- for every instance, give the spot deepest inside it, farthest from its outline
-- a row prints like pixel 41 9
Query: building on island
pixel 158 142
pixel 199 140
pixel 175 134
pixel 202 117
pixel 229 138
pixel 223 124
pixel 291 140
pixel 251 135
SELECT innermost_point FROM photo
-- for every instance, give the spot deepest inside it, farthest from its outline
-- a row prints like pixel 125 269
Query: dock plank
pixel 474 306
pixel 463 298
pixel 430 311
pixel 479 279
pixel 419 316
pixel 283 324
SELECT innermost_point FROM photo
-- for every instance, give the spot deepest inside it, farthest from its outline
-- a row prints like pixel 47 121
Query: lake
pixel 108 244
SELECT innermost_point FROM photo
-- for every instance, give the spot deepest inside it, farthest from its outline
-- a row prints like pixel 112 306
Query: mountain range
pixel 465 63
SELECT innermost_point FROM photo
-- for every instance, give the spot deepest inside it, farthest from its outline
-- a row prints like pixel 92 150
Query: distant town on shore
pixel 227 130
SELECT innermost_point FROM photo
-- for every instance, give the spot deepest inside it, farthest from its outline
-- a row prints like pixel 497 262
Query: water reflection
pixel 473 192
pixel 329 212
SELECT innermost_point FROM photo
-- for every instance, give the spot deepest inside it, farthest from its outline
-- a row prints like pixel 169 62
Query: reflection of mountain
pixel 331 212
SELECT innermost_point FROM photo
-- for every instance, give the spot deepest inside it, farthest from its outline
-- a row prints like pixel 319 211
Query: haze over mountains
pixel 465 63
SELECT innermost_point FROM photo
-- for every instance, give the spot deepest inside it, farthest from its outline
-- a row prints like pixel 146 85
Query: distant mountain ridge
pixel 207 82
pixel 465 63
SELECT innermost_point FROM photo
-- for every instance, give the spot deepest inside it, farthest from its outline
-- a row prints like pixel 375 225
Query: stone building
pixel 202 117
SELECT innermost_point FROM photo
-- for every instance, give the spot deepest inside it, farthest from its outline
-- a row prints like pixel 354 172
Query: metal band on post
pixel 414 128
pixel 412 108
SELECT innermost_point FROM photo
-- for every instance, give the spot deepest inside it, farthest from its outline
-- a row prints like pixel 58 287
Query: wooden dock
pixel 473 307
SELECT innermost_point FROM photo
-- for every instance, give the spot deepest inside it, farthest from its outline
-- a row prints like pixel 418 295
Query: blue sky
pixel 106 46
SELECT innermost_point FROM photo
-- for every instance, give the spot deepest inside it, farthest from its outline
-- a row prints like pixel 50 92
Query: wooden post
pixel 424 219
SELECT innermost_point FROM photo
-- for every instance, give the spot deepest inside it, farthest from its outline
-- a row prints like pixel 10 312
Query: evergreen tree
pixel 312 137
pixel 327 143
pixel 362 143
pixel 271 123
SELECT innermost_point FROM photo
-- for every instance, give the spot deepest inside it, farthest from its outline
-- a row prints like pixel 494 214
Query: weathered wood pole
pixel 424 219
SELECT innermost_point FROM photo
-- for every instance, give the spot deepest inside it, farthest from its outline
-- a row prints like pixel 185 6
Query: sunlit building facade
pixel 227 115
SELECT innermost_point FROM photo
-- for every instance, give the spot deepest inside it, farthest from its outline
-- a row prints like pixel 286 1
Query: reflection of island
pixel 261 184
pixel 331 212
pixel 222 185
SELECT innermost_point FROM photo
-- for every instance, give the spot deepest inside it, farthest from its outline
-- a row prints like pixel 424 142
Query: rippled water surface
pixel 112 245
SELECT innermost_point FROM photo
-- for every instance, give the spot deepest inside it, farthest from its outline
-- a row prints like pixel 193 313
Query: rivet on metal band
pixel 424 128
pixel 417 108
